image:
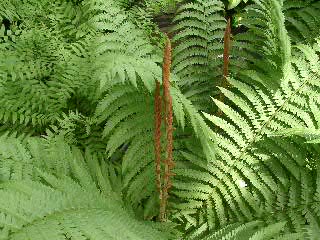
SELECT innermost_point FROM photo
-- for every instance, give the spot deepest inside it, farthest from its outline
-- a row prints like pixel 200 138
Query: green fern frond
pixel 35 83
pixel 78 204
pixel 254 231
pixel 38 85
pixel 128 115
pixel 122 57
pixel 8 11
pixel 257 176
pixel 199 29
pixel 68 216
pixel 81 74
pixel 302 20
pixel 268 51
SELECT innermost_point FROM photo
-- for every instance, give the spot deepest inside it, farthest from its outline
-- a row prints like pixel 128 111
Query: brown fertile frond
pixel 157 136
pixel 168 163
pixel 226 58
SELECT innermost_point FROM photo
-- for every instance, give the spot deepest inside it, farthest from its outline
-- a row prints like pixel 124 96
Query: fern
pixel 199 28
pixel 256 175
pixel 127 124
pixel 47 203
pixel 267 52
pixel 82 74
pixel 38 68
pixel 55 77
pixel 127 83
pixel 302 19
pixel 254 231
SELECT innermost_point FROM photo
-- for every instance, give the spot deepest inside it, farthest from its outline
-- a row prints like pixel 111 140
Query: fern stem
pixel 168 163
pixel 226 59
pixel 157 137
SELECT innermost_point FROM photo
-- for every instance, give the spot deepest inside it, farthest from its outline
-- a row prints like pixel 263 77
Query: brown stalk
pixel 157 136
pixel 226 59
pixel 168 163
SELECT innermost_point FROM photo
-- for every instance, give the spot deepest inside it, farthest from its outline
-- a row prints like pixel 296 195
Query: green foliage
pixel 199 28
pixel 302 20
pixel 77 85
pixel 155 6
pixel 39 65
pixel 271 168
pixel 128 115
pixel 253 231
pixel 40 197
pixel 266 52
pixel 234 3
pixel 258 176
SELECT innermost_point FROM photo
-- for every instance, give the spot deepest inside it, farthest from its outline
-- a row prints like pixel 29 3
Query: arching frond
pixel 253 231
pixel 128 115
pixel 302 20
pixel 257 175
pixel 199 29
pixel 78 204
pixel 266 51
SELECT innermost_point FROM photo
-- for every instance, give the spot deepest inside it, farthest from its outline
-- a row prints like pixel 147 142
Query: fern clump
pixel 101 136
pixel 46 203
pixel 258 176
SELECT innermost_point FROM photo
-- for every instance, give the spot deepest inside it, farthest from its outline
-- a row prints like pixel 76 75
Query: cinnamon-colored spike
pixel 157 136
pixel 168 163
pixel 226 59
